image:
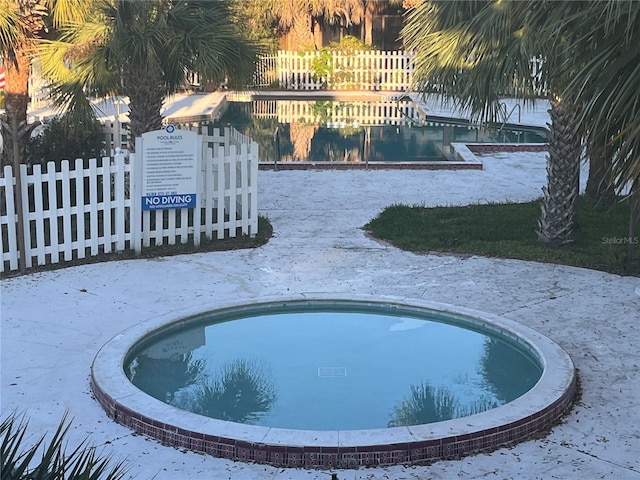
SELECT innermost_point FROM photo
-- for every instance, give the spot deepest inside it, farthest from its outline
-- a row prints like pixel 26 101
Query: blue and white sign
pixel 169 169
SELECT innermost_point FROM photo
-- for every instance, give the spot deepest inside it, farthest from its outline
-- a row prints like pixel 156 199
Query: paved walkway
pixel 53 323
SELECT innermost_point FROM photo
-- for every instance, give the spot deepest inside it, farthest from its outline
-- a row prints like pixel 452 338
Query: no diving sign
pixel 169 169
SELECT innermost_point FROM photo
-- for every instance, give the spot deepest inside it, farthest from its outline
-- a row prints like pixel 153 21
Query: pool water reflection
pixel 356 132
pixel 333 370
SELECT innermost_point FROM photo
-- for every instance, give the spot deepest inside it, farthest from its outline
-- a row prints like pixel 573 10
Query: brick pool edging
pixel 331 456
pixel 287 448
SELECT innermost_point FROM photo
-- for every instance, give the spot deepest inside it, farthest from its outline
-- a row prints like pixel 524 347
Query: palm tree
pixel 476 52
pixel 300 17
pixel 608 79
pixel 145 50
pixel 22 24
pixel 21 21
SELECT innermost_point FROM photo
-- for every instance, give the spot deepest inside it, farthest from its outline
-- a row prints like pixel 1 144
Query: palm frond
pixel 19 460
pixel 13 29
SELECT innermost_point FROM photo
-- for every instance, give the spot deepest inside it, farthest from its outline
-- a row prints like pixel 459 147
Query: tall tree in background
pixel 607 81
pixel 372 8
pixel 300 17
pixel 145 50
pixel 22 24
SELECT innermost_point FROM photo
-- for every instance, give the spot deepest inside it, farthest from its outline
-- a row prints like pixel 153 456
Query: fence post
pixel 18 201
pixel 135 197
pixel 197 211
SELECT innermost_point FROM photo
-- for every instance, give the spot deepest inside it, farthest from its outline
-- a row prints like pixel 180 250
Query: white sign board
pixel 169 169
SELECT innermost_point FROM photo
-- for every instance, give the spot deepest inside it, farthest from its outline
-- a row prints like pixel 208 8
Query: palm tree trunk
pixel 302 33
pixel 559 202
pixel 146 97
pixel 16 103
pixel 367 28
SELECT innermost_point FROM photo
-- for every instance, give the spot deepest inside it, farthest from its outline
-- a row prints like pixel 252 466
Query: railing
pixel 74 210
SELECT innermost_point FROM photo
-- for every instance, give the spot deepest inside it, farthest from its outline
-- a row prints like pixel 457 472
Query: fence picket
pixel 93 206
pixel 67 239
pixel 10 220
pixel 209 185
pixel 244 188
pixel 38 213
pixel 221 183
pixel 184 225
pixel 157 235
pixel 119 196
pixel 171 227
pixel 80 208
pixel 51 214
pixel 233 191
pixel 106 202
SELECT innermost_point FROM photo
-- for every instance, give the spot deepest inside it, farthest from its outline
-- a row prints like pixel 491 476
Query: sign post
pixel 169 169
pixel 165 175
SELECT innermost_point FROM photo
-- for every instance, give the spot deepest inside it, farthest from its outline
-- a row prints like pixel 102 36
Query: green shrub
pixel 323 65
pixel 63 139
pixel 349 44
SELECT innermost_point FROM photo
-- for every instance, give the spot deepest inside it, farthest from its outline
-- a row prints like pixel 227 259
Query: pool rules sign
pixel 169 168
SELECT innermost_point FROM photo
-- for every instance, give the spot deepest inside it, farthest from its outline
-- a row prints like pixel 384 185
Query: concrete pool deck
pixel 54 323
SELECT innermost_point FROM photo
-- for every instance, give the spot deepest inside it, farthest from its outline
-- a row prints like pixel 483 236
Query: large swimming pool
pixel 357 131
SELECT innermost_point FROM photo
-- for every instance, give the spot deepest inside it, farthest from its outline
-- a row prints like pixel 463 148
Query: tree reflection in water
pixel 240 392
pixel 507 372
pixel 427 404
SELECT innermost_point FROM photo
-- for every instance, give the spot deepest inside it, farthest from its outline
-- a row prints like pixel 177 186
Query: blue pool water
pixel 356 132
pixel 332 367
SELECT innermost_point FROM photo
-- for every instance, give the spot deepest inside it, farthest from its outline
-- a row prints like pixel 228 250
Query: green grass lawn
pixel 509 231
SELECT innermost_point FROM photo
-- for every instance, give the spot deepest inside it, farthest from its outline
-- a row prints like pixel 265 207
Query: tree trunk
pixel 16 103
pixel 559 203
pixel 146 97
pixel 599 184
pixel 634 216
pixel 302 33
pixel 301 135
pixel 367 28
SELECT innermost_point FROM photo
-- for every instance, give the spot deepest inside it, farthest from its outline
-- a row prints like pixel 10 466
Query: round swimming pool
pixel 327 382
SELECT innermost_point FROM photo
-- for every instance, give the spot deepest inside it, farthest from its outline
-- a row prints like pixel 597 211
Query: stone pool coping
pixel 513 422
pixel 443 165
pixel 464 154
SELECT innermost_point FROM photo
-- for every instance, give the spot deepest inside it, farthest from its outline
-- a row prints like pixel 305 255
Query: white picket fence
pixel 358 70
pixel 84 208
